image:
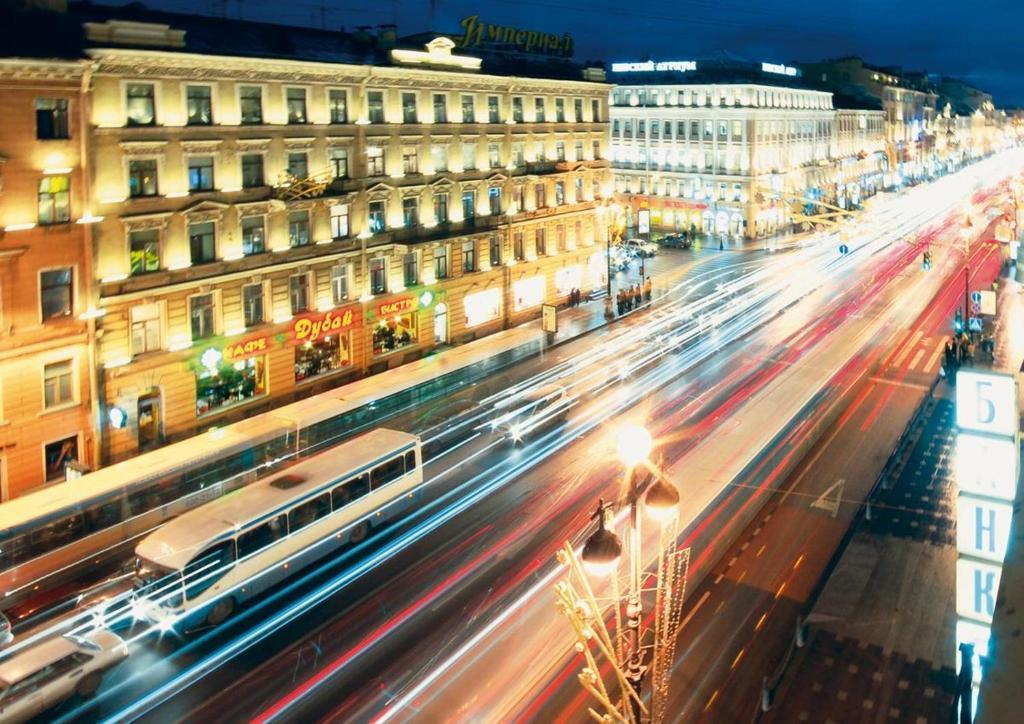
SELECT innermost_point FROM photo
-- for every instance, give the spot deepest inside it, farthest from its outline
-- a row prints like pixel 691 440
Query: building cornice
pixel 41 69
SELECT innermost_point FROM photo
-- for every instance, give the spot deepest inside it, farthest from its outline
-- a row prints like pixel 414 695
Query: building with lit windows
pixel 717 145
pixel 275 224
pixel 47 386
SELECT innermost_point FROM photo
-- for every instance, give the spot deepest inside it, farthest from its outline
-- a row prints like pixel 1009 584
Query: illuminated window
pixel 441 208
pixel 560 110
pixel 298 293
pixel 339 162
pixel 339 283
pixel 376 216
pixel 410 212
pixel 468 204
pixel 202 242
pixel 468 256
pixel 409 114
pixel 493 155
pixel 200 173
pixel 252 170
pixel 250 101
pixel 253 235
pixel 378 275
pixel 517 109
pixel 441 262
pixel 375 161
pixel 560 151
pixel 140 104
pixel 142 178
pixel 58 384
pixel 439 155
pixel 468 111
pixel 201 314
pixel 411 269
pixel 440 108
pixel 375 106
pixel 298 228
pixel 518 156
pixel 200 105
pixel 144 251
pixel 337 104
pixel 54 199
pixel 339 221
pixel 494 200
pixel 252 304
pixel 493 113
pixel 146 326
pixel 55 293
pixel 296 103
pixel 538 109
pixel 410 160
pixel 468 156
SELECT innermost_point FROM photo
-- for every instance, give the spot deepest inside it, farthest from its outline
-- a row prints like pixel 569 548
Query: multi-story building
pixel 718 146
pixel 47 385
pixel 858 154
pixel 276 223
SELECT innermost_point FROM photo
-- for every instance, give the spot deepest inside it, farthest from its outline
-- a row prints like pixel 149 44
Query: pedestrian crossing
pixel 917 352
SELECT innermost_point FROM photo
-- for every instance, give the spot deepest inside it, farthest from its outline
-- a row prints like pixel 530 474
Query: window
pixel 58 387
pixel 538 152
pixel 339 221
pixel 58 454
pixel 595 111
pixel 376 216
pixel 350 490
pixel 578 151
pixel 144 251
pixel 468 256
pixel 737 130
pixel 410 160
pixel 250 101
pixel 560 110
pixel 409 108
pixel 441 262
pixel 709 129
pixel 54 199
pixel 577 110
pixel 578 184
pixel 201 241
pixel 468 204
pixel 441 208
pixel 201 315
pixel 540 196
pixel 337 104
pixel 410 212
pixel 560 151
pixel 253 235
pixel 298 228
pixel 694 130
pixel 383 474
pixel 252 170
pixel 309 512
pixel 468 111
pixel 655 129
pixel 140 104
pixel 495 256
pixel 378 275
pixel 261 536
pixel 723 130
pixel 338 158
pixel 517 109
pixel 468 156
pixel 145 328
pixel 252 304
pixel 142 177
pixel 298 164
pixel 52 118
pixel 298 293
pixel 493 155
pixel 440 108
pixel 494 200
pixel 518 155
pixel 541 241
pixel 641 129
pixel 375 106
pixel 208 567
pixel 493 114
pixel 375 161
pixel 296 103
pixel 560 238
pixel 411 269
pixel 339 283
pixel 200 173
pixel 538 109
pixel 439 155
pixel 559 193
pixel 55 293
pixel 200 105
pixel 518 246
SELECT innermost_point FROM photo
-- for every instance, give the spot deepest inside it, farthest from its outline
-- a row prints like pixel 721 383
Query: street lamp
pixel 612 211
pixel 637 654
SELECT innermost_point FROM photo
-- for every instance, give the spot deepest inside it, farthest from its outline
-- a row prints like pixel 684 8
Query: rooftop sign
pixel 777 68
pixel 650 65
pixel 478 33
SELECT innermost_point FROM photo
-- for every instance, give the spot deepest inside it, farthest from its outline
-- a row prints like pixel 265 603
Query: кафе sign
pixel 304 328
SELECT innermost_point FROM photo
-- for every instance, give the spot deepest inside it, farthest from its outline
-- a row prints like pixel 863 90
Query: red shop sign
pixel 396 306
pixel 245 348
pixel 311 327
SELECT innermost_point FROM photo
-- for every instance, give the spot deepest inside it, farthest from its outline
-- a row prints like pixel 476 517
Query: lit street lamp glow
pixel 634 444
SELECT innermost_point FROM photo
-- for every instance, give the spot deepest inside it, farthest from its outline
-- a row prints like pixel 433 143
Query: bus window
pixel 308 512
pixel 410 461
pixel 385 473
pixel 103 516
pixel 208 567
pixel 350 490
pixel 261 536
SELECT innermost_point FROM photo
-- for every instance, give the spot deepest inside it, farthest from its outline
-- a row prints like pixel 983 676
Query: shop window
pixel 468 256
pixel 252 304
pixel 298 228
pixel 298 292
pixel 58 384
pixel 339 162
pixel 54 199
pixel 378 275
pixel 200 105
pixel 394 333
pixel 144 251
pixel 441 208
pixel 528 293
pixel 339 283
pixel 337 102
pixel 140 104
pixel 411 269
pixel 326 355
pixel 377 211
pixel 202 242
pixel 52 119
pixel 410 212
pixel 253 235
pixel 58 454
pixel 142 177
pixel 201 315
pixel 339 221
pixel 250 101
pixel 227 383
pixel 440 108
pixel 375 106
pixel 252 170
pixel 296 103
pixel 55 293
pixel 482 307
pixel 200 173
pixel 146 330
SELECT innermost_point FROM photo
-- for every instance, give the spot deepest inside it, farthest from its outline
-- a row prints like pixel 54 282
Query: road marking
pixel 719 607
pixel 898 362
pixel 798 561
pixel 706 596
pixel 711 700
pixel 939 349
pixel 761 551
pixel 746 544
pixel 757 530
pixel 915 359
pixel 781 589
pixel 738 657
pixel 760 621
pixel 829 500
pixel 719 579
pixel 731 562
pixel 742 576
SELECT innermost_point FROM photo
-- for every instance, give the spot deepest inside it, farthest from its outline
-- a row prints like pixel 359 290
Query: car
pixel 676 241
pixel 538 409
pixel 6 636
pixel 54 670
pixel 641 247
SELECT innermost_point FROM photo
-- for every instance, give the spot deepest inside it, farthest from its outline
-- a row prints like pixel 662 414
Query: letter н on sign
pixel 982 527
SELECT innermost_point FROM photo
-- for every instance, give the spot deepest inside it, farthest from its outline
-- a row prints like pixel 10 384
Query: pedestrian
pixel 636 296
pixel 647 289
pixel 619 301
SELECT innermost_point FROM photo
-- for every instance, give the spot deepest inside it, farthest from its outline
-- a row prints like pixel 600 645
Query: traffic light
pixel 958 323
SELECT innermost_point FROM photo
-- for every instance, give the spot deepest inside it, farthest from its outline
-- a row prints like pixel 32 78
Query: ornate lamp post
pixel 612 212
pixel 640 644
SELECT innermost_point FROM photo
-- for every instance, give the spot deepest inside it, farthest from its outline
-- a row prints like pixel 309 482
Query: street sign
pixel 974 324
pixel 976 297
pixel 988 302
pixel 975 309
pixel 844 249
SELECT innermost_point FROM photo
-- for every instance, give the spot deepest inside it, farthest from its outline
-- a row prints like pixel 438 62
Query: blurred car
pixel 641 247
pixel 539 409
pixel 620 257
pixel 676 241
pixel 5 631
pixel 52 671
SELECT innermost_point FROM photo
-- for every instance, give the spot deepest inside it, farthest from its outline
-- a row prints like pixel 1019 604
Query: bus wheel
pixel 88 685
pixel 358 534
pixel 221 611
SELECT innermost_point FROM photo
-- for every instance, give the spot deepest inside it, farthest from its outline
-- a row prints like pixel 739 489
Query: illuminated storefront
pixel 323 342
pixel 568 279
pixel 482 307
pixel 396 325
pixel 528 293
pixel 229 376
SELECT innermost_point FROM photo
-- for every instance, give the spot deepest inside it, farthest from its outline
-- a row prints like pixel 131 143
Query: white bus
pixel 203 564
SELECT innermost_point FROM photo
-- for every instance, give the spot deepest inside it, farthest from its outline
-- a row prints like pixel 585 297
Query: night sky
pixel 978 41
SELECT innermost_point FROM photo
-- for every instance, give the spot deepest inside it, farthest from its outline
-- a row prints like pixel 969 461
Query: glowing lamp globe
pixel 634 444
pixel 601 552
pixel 662 501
